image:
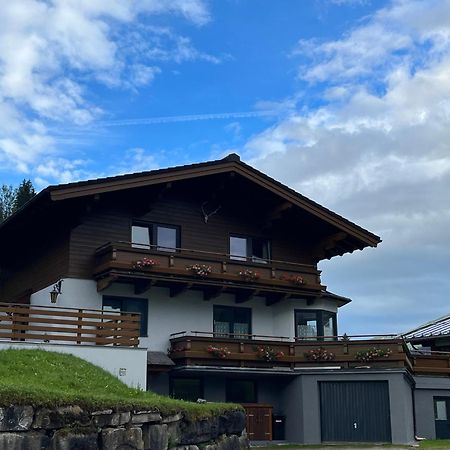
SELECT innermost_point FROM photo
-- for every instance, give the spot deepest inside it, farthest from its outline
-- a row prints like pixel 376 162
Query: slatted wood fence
pixel 69 325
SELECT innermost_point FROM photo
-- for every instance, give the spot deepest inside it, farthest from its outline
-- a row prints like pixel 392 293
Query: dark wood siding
pixel 94 230
pixel 36 267
pixel 113 223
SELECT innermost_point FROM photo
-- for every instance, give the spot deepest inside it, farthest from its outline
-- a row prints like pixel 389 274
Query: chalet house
pixel 201 281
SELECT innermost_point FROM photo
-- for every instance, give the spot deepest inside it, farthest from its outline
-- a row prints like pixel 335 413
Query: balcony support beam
pixel 271 299
pixel 213 292
pixel 105 282
pixel 178 289
pixel 141 286
pixel 245 296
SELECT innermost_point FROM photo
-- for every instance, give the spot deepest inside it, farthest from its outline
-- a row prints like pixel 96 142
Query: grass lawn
pixel 40 378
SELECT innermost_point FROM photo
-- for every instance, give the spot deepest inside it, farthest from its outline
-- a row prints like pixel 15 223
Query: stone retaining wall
pixel 72 428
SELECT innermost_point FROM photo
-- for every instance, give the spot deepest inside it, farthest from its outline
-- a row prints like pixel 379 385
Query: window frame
pixel 320 324
pixel 122 299
pixel 153 235
pixel 200 379
pixel 230 381
pixel 230 333
pixel 446 400
pixel 249 248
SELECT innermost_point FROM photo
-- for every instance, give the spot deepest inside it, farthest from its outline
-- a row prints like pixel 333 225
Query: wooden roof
pixel 231 164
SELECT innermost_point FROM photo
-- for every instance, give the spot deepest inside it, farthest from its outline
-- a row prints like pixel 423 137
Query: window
pixel 232 320
pixel 164 237
pixel 132 305
pixel 189 389
pixel 241 391
pixel 247 248
pixel 440 409
pixel 313 323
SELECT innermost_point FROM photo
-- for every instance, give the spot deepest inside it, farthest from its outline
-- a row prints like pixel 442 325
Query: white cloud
pixel 378 152
pixel 50 51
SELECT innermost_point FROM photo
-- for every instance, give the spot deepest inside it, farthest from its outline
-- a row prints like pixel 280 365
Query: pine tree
pixel 7 201
pixel 24 192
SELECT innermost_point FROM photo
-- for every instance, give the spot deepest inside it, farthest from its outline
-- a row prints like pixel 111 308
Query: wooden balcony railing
pixel 120 258
pixel 70 325
pixel 197 348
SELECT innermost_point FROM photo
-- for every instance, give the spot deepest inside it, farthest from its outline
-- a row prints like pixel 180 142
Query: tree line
pixel 13 198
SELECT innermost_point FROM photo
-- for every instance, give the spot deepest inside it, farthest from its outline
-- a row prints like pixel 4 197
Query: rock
pixel 122 439
pixel 16 418
pixel 61 417
pixel 102 413
pixel 199 431
pixel 145 417
pixel 67 439
pixel 156 437
pixel 32 440
pixel 244 443
pixel 187 447
pixel 174 432
pixel 232 422
pixel 112 420
pixel 174 418
pixel 228 443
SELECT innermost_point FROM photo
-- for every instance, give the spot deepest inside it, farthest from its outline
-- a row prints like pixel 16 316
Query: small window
pixel 232 320
pixel 241 391
pixel 189 389
pixel 440 409
pixel 315 323
pixel 164 237
pixel 131 305
pixel 247 248
pixel 140 237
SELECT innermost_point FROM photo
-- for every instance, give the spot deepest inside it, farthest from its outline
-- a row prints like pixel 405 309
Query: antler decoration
pixel 207 215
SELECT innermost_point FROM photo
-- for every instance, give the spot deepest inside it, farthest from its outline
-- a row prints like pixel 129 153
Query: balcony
pixel 47 324
pixel 252 351
pixel 275 280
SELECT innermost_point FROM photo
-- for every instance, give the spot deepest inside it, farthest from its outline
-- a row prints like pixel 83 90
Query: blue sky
pixel 346 101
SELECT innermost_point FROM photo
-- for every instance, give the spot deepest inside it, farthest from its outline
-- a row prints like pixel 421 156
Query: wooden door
pixel 259 422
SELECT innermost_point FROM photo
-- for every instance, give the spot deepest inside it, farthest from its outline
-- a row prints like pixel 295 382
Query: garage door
pixel 355 411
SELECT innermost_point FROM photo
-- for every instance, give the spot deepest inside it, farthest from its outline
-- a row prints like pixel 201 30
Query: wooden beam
pixel 178 289
pixel 213 292
pixel 245 296
pixel 141 286
pixel 276 213
pixel 325 245
pixel 104 283
pixel 271 299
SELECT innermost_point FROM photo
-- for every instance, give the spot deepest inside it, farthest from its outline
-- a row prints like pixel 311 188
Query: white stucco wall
pixel 186 312
pixel 127 364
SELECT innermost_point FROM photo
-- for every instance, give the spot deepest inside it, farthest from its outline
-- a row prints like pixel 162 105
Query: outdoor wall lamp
pixel 56 291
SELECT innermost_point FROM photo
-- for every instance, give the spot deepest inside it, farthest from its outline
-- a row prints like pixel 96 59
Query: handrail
pixel 339 338
pixel 228 256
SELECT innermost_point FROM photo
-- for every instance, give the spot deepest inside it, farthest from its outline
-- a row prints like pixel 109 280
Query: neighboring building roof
pixel 436 328
pixel 231 163
pixel 158 359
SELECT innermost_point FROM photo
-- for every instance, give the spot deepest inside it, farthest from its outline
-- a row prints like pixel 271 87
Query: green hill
pixel 41 378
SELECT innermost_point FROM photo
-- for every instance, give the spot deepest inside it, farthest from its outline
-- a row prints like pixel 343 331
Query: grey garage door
pixel 355 411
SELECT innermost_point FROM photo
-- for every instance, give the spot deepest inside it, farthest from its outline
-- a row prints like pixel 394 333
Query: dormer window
pixel 164 238
pixel 249 249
